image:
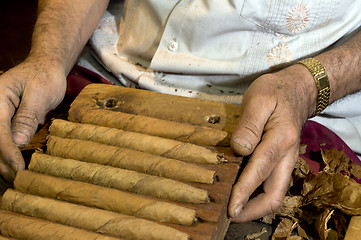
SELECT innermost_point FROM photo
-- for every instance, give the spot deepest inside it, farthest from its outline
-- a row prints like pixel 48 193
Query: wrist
pixel 300 79
pixel 46 63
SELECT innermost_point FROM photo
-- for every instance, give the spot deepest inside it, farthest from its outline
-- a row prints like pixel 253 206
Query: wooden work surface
pixel 213 222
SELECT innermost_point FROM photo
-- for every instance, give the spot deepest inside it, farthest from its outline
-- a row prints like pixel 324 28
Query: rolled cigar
pixel 23 227
pixel 102 197
pixel 117 178
pixel 199 135
pixel 88 151
pixel 88 218
pixel 169 148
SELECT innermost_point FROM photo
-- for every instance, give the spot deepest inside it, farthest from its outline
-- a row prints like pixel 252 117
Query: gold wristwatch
pixel 322 84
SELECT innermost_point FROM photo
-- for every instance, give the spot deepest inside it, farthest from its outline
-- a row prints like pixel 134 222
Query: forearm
pixel 343 66
pixel 62 29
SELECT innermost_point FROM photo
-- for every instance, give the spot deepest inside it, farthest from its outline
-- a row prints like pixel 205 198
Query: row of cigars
pixel 115 174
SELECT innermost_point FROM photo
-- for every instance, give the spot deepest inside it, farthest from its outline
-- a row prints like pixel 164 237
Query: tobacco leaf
pixel 301 169
pixel 291 206
pixel 326 198
pixel 335 161
pixel 331 218
pixel 355 170
pixel 332 190
pixel 285 230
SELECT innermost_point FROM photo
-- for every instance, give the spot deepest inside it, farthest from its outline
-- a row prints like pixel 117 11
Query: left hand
pixel 275 107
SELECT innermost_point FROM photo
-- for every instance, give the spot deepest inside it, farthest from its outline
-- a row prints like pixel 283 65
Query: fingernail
pixel 20 139
pixel 237 210
pixel 246 146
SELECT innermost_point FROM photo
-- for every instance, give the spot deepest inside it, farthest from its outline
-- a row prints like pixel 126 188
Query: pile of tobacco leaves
pixel 320 204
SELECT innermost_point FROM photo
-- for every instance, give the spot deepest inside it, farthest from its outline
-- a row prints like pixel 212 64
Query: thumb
pixel 249 130
pixel 25 123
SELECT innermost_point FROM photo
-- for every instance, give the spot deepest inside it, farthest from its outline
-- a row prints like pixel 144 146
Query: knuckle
pixel 242 190
pixel 27 121
pixel 271 155
pixel 292 137
pixel 275 205
pixel 262 174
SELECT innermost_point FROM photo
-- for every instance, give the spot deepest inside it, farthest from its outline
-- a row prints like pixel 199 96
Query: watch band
pixel 322 84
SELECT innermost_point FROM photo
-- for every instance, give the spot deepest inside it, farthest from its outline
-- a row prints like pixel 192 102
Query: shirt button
pixel 173 46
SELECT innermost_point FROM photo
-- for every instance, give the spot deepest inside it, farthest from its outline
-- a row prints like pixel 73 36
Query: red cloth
pixel 317 137
pixel 80 77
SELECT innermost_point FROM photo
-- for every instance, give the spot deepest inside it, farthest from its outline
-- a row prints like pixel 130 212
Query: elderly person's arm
pixel 36 86
pixel 275 108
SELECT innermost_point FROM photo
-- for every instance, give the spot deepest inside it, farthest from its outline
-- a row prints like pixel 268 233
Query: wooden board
pixel 163 106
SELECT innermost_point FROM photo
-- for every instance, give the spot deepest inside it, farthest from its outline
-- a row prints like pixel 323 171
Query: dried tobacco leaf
pixel 290 206
pixel 302 149
pixel 256 235
pixel 327 190
pixel 301 169
pixel 285 230
pixel 355 170
pixel 331 218
pixel 335 161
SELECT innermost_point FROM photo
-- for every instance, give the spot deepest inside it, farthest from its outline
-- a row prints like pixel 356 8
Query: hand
pixel 27 93
pixel 275 107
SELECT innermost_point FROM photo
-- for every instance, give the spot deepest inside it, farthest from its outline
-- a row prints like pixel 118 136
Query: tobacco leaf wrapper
pixel 87 218
pixel 102 197
pixel 128 159
pixel 199 135
pixel 117 178
pixel 169 148
pixel 23 227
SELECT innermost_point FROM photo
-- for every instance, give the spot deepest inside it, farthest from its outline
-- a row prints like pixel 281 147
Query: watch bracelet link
pixel 322 84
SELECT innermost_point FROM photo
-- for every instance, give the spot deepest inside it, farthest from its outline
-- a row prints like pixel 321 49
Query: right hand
pixel 274 109
pixel 27 92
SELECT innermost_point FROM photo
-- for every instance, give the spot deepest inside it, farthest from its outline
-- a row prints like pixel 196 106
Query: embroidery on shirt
pixel 282 37
pixel 280 54
pixel 297 18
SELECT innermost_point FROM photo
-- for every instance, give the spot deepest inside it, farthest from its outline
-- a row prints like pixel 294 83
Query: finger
pixel 274 147
pixel 31 112
pixel 6 171
pixel 9 152
pixel 275 188
pixel 24 126
pixel 248 132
